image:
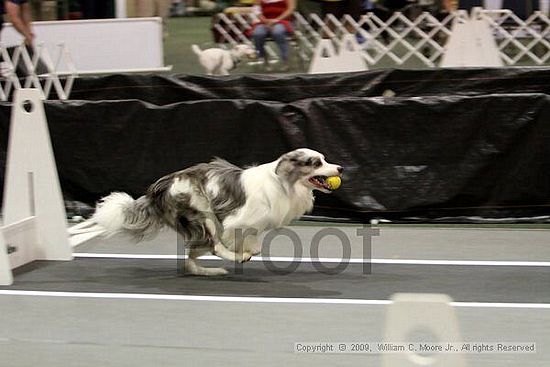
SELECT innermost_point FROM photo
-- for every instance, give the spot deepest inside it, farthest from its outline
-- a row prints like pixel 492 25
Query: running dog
pixel 217 61
pixel 220 208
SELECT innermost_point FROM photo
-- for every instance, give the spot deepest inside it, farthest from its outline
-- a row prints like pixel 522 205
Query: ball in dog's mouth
pixel 334 182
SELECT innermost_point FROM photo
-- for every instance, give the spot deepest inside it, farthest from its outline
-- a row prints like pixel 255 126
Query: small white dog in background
pixel 217 61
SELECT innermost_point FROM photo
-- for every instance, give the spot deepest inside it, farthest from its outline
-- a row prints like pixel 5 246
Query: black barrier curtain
pixel 447 144
pixel 165 90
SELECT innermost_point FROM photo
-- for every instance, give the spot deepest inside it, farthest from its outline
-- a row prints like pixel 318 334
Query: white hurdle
pixel 35 224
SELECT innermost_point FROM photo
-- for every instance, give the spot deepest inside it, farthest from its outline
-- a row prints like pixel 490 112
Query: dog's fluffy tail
pixel 119 212
pixel 196 50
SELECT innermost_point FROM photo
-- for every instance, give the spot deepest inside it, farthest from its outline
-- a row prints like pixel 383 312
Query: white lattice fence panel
pixel 40 71
pixel 400 40
pixel 524 42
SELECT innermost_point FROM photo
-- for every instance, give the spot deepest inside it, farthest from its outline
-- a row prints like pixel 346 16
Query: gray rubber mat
pixel 462 283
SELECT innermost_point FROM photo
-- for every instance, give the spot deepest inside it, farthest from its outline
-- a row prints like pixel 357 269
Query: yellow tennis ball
pixel 334 182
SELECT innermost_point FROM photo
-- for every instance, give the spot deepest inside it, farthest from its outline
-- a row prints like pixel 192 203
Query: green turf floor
pixel 181 34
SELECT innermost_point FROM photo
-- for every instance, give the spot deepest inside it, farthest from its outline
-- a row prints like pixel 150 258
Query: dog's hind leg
pixel 191 266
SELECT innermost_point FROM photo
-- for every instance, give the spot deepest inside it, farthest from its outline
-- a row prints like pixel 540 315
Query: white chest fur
pixel 269 204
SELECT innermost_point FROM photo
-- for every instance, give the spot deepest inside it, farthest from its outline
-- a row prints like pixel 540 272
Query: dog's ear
pixel 291 164
pixel 299 158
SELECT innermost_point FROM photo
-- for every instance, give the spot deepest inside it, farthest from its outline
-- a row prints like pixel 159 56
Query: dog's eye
pixel 313 162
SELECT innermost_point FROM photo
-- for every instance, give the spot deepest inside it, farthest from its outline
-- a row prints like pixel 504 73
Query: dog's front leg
pixel 242 242
pixel 191 266
pixel 223 252
pixel 251 244
pixel 214 227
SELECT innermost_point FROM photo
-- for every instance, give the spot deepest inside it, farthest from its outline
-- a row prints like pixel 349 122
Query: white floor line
pixel 327 260
pixel 170 297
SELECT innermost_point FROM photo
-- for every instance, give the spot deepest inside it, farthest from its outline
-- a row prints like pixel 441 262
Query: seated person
pixel 274 21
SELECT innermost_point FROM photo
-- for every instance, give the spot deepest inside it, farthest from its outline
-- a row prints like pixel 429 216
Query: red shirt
pixel 271 9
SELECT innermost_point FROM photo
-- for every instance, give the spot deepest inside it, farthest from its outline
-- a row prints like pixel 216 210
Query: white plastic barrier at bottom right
pixel 431 316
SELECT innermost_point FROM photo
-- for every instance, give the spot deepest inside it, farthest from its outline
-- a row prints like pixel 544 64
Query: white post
pixel 120 9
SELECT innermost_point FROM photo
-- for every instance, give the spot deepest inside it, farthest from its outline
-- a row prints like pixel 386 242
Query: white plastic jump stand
pixel 35 222
pixel 6 277
pixel 350 56
pixel 429 314
pixel 471 43
pixel 327 60
pixel 323 58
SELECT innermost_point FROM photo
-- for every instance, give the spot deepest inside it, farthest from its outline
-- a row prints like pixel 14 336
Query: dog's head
pixel 242 51
pixel 308 168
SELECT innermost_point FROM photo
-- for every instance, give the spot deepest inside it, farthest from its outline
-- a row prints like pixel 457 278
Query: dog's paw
pixel 215 272
pixel 210 272
pixel 192 268
pixel 246 257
